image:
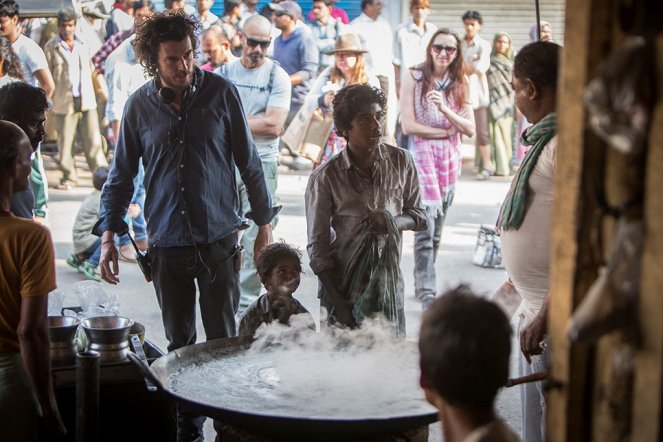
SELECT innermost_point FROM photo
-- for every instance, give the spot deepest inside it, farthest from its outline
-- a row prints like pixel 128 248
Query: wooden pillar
pixel 648 384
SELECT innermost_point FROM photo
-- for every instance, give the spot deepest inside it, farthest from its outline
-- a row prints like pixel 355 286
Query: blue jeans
pixel 93 253
pixel 138 224
pixel 249 282
pixel 426 245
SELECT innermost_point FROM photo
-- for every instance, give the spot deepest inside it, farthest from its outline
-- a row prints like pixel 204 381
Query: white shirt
pixel 73 57
pixel 125 78
pixel 32 58
pixel 410 43
pixel 477 54
pixel 253 87
pixel 377 39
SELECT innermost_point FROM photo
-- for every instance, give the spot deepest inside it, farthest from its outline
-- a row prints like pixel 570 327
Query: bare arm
pixel 532 335
pixel 298 78
pixel 45 80
pixel 35 350
pixel 397 79
pixel 408 122
pixel 269 124
pixel 109 268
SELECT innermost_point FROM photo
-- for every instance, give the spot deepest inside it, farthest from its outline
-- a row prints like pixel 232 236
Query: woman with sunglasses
pixel 349 68
pixel 435 112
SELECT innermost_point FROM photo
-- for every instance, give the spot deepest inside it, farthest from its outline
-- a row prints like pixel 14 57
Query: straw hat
pixel 347 43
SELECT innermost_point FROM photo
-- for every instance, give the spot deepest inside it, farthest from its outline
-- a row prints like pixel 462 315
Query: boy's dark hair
pixel 464 346
pixel 159 28
pixel 99 177
pixel 19 100
pixel 539 62
pixel 473 15
pixel 65 15
pixel 273 253
pixel 350 100
pixel 8 8
pixel 140 4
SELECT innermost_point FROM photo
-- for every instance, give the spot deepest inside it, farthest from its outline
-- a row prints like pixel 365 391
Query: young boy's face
pixel 284 278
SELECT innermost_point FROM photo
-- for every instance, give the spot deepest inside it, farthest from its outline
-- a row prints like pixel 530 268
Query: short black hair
pixel 326 2
pixel 19 100
pixel 272 254
pixel 464 347
pixel 365 3
pixel 66 14
pixel 159 28
pixel 9 147
pixel 539 62
pixel 8 8
pixel 473 15
pixel 140 4
pixel 99 177
pixel 350 100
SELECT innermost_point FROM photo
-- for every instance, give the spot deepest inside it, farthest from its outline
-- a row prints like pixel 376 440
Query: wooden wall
pixel 601 392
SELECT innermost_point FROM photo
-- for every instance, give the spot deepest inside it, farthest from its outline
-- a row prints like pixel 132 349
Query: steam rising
pixel 295 372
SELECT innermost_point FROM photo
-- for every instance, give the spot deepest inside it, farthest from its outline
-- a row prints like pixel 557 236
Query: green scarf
pixel 513 209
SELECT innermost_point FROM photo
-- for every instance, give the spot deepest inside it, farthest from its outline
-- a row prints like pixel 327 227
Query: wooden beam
pixel 648 384
pixel 565 402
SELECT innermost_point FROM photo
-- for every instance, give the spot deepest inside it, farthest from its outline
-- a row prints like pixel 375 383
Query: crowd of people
pixel 189 109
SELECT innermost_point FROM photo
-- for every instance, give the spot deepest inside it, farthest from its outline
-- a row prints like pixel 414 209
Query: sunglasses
pixel 450 50
pixel 252 42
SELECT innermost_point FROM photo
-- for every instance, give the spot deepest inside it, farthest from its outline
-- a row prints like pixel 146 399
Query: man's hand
pixel 108 264
pixel 532 336
pixel 263 239
pixel 343 313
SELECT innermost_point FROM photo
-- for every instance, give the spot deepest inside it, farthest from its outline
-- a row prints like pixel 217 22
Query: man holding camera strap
pixel 190 130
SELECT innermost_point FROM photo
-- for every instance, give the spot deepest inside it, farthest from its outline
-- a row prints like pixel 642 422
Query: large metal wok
pixel 220 394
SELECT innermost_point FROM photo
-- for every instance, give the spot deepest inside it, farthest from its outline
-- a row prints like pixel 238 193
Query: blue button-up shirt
pixel 189 157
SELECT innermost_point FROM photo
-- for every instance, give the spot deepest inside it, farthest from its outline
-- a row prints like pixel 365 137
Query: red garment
pixel 121 6
pixel 337 13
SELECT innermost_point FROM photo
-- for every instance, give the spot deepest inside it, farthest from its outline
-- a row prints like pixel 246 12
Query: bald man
pixel 215 45
pixel 264 88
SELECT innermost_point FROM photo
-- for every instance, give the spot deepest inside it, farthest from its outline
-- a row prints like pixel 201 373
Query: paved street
pixel 475 203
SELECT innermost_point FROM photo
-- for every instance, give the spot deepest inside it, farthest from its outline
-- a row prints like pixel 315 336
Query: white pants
pixel 532 395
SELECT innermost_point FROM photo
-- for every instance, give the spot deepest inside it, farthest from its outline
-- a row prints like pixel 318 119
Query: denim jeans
pixel 175 272
pixel 93 253
pixel 249 282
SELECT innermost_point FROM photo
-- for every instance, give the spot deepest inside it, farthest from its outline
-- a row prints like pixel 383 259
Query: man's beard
pixel 256 58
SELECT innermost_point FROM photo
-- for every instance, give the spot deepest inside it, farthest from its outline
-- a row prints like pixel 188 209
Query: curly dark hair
pixel 464 347
pixel 350 100
pixel 161 27
pixel 272 254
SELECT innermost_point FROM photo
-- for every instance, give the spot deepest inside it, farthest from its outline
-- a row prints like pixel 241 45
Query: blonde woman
pixel 349 68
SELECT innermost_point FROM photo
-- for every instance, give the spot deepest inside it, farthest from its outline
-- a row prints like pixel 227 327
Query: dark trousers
pixel 175 271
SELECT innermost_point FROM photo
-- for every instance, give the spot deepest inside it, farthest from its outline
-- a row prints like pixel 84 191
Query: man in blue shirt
pixel 296 51
pixel 190 130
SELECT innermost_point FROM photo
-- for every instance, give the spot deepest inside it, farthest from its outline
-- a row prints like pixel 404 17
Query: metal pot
pixel 281 422
pixel 108 335
pixel 62 333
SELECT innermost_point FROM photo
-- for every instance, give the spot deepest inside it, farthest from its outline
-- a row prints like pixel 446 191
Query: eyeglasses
pixel 252 42
pixel 450 50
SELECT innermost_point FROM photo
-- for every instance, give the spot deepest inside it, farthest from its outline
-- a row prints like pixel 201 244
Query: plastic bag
pixel 55 302
pixel 488 250
pixel 95 301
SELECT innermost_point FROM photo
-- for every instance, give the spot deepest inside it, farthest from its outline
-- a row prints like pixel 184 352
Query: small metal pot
pixel 108 335
pixel 62 333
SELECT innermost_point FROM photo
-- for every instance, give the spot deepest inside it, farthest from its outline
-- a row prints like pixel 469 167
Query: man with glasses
pixel 264 88
pixel 476 54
